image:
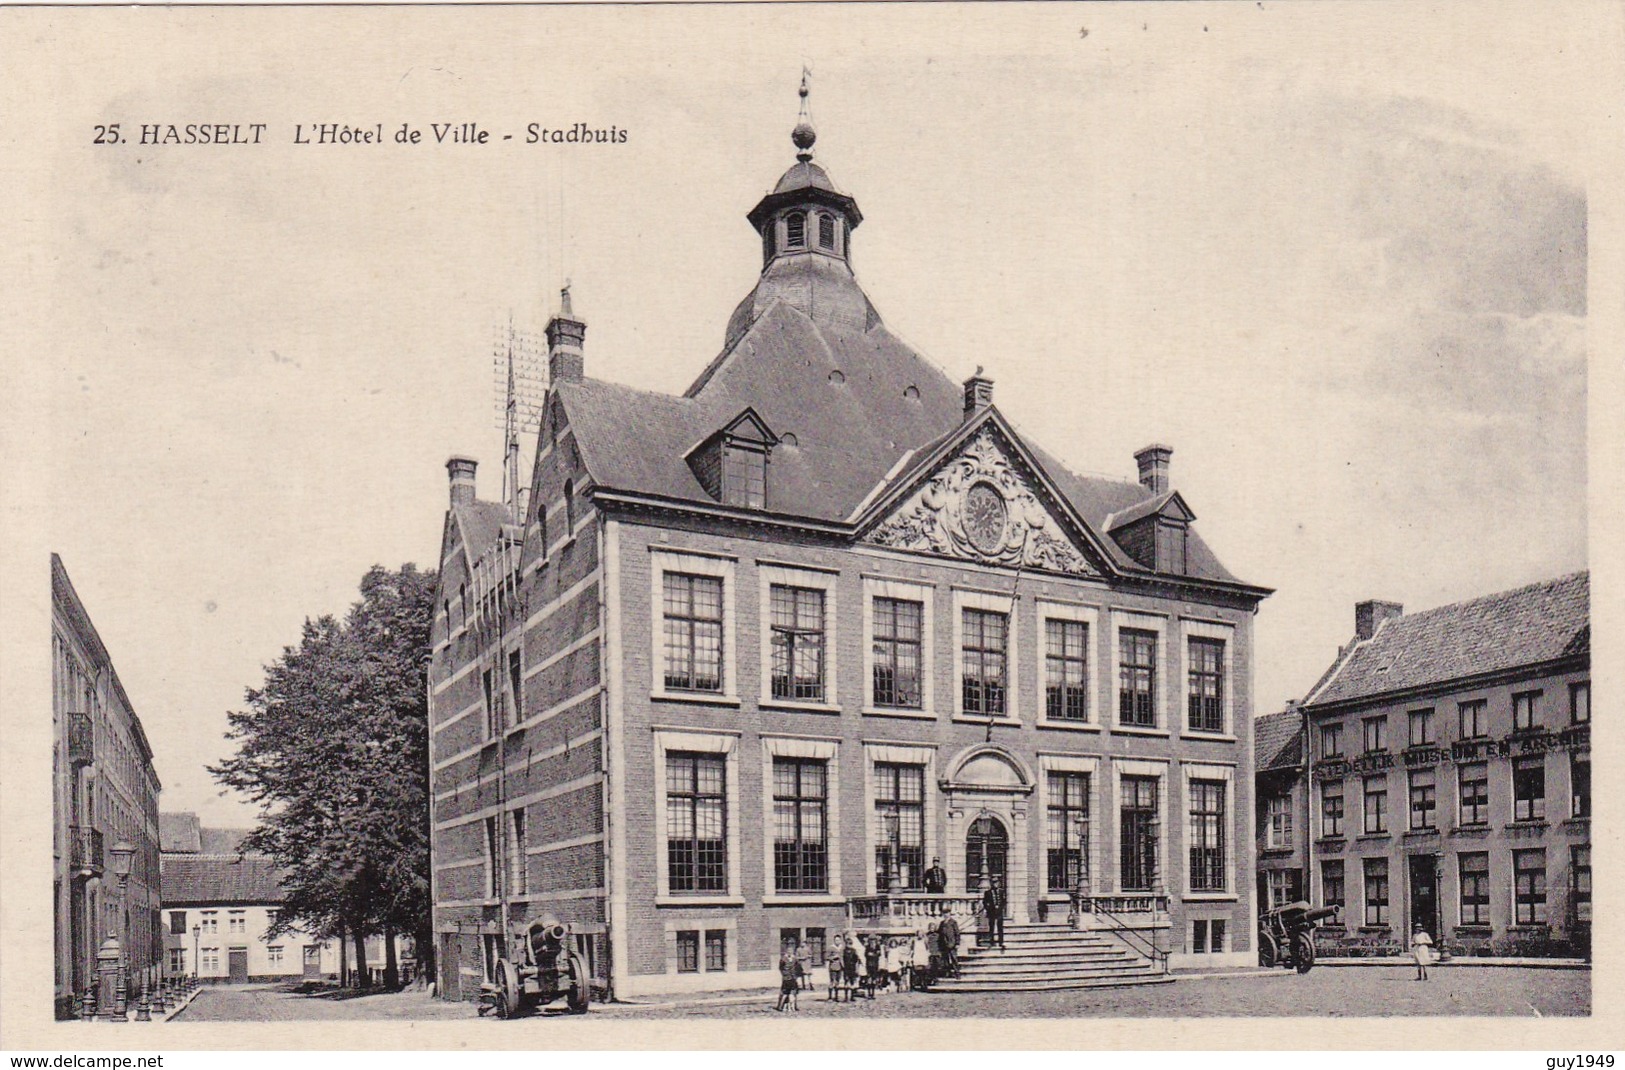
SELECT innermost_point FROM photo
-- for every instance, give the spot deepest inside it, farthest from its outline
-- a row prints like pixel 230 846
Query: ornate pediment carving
pixel 981 506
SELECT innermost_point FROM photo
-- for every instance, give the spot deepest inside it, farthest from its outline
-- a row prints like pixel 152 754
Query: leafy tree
pixel 333 746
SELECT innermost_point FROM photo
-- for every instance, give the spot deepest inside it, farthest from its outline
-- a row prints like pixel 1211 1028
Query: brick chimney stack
pixel 1153 462
pixel 1369 615
pixel 978 393
pixel 461 470
pixel 566 336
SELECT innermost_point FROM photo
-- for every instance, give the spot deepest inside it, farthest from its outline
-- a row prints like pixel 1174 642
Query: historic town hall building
pixel 754 655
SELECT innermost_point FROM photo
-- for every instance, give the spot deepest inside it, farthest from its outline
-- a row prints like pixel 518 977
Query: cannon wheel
pixel 507 989
pixel 579 993
pixel 1269 953
pixel 1303 952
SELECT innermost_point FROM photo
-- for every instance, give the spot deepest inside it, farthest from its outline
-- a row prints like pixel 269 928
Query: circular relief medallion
pixel 985 514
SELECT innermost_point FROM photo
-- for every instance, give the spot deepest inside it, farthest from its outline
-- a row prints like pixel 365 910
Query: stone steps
pixel 1039 958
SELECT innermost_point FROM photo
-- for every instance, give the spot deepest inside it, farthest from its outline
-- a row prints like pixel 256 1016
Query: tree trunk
pixel 344 957
pixel 392 966
pixel 363 976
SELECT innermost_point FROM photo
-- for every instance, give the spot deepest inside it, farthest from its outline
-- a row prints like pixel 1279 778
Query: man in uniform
pixel 993 904
pixel 936 878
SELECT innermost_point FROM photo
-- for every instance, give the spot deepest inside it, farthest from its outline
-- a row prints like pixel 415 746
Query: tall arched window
pixel 767 243
pixel 826 231
pixel 795 230
pixel 569 510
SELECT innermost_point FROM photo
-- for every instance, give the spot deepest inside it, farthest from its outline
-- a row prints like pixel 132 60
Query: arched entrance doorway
pixel 987 850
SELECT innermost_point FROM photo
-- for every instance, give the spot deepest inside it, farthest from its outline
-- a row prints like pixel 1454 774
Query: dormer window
pixel 795 230
pixel 744 475
pixel 731 464
pixel 826 231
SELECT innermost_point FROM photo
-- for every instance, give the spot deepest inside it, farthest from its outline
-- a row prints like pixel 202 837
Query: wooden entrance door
pixel 1425 895
pixel 238 962
pixel 313 962
pixel 987 848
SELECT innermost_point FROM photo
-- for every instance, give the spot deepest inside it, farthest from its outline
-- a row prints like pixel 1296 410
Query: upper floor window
pixel 798 643
pixel 569 510
pixel 1136 677
pixel 1580 703
pixel 1331 808
pixel 826 231
pixel 1529 789
pixel 1579 784
pixel 744 476
pixel 1421 722
pixel 983 650
pixel 1473 790
pixel 1474 719
pixel 897 637
pixel 1525 710
pixel 1278 821
pixel 1207 685
pixel 1066 670
pixel 1331 741
pixel 1424 799
pixel 177 922
pixel 693 632
pixel 1376 734
pixel 795 230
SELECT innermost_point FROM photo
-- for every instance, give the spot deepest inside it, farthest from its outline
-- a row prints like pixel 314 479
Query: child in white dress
pixel 1422 950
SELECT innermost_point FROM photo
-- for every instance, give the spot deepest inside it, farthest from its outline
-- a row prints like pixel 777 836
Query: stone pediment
pixel 982 505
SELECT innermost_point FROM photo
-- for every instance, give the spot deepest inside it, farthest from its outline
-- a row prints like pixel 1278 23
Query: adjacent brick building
pixel 743 661
pixel 104 793
pixel 1451 772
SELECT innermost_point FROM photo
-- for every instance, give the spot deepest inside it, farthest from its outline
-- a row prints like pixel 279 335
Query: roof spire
pixel 804 135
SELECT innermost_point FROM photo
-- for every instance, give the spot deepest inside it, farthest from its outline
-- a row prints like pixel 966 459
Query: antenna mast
pixel 519 379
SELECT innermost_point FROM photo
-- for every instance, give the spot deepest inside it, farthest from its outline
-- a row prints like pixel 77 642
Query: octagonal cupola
pixel 805 215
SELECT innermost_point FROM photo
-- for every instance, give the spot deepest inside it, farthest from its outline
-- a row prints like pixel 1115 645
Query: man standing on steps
pixel 993 906
pixel 936 878
pixel 948 936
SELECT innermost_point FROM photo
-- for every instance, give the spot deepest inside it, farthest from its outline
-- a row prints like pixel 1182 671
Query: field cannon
pixel 1286 935
pixel 547 968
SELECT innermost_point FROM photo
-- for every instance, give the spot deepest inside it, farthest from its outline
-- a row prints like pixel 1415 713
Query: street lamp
pixel 123 854
pixel 196 930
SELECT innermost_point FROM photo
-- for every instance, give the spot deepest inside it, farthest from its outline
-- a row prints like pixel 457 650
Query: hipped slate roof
pixel 1278 741
pixel 195 880
pixel 843 392
pixel 1528 626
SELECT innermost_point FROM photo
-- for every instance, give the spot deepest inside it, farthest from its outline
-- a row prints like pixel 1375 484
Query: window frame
pixel 1427 804
pixel 1328 868
pixel 875 587
pixel 1278 822
pixel 1122 620
pixel 1375 875
pixel 1577 689
pixel 1422 716
pixel 1157 772
pixel 1064 816
pixel 1367 795
pixel 1478 801
pixel 793 241
pixel 751 458
pixel 1198 634
pixel 798 577
pixel 1374 730
pixel 1327 832
pixel 716 744
pixel 1526 712
pixel 1088 617
pixel 801 748
pixel 967 601
pixel 1527 766
pixel 1579 802
pixel 1473 890
pixel 1331 741
pixel 1207 830
pixel 1537 895
pixel 1480 728
pixel 663 562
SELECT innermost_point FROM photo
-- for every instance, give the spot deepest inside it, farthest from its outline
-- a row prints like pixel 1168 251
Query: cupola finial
pixel 804 135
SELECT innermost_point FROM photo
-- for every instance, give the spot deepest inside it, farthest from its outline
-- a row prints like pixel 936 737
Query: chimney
pixel 1153 462
pixel 978 393
pixel 461 470
pixel 1369 615
pixel 565 336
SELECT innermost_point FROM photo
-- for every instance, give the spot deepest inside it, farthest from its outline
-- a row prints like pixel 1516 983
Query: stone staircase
pixel 1047 957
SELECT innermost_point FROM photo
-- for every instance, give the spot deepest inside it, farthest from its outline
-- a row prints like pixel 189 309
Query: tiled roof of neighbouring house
pixel 1527 626
pixel 190 879
pixel 1278 740
pixel 180 832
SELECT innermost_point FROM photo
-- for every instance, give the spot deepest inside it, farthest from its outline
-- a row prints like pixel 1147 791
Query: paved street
pixel 1325 992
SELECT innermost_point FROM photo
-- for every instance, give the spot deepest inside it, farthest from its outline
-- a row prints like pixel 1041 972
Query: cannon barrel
pixel 1320 913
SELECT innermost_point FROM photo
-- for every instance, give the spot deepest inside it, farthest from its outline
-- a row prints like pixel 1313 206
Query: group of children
pixel 859 966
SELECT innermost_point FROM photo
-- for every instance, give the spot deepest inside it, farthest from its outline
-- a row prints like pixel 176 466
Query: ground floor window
pixel 1067 829
pixel 273 954
pixel 1580 881
pixel 1376 891
pixel 716 949
pixel 1529 887
pixel 806 944
pixel 1207 936
pixel 210 959
pixel 1475 888
pixel 1332 891
pixel 688 951
pixel 899 827
pixel 1283 887
pixel 1137 831
pixel 177 961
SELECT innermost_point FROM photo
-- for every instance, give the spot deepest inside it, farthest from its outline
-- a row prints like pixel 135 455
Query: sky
pixel 1334 255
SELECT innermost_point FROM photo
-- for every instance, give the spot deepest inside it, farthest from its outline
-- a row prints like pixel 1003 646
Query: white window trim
pixel 702 743
pixel 1286 808
pixel 730 957
pixel 1193 629
pixel 874 587
pixel 1089 617
pixel 1156 767
pixel 904 754
pixel 1512 886
pixel 994 603
pixel 1068 763
pixel 660 563
pixel 771 576
pixel 1143 622
pixel 1320 803
pixel 827 751
pixel 1211 771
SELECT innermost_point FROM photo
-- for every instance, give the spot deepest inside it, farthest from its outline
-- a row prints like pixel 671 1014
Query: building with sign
pixel 744 661
pixel 104 797
pixel 1451 772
